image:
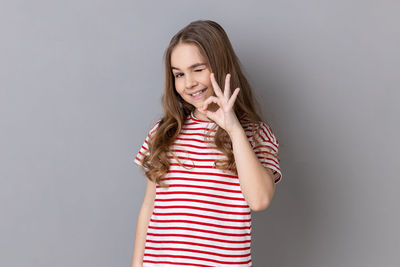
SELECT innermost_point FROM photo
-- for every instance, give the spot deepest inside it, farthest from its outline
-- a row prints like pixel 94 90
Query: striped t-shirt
pixel 202 219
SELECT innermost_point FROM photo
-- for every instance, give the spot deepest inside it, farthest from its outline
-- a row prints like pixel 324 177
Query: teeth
pixel 199 92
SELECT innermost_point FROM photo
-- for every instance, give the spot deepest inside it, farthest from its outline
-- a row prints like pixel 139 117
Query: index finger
pixel 217 90
pixel 227 87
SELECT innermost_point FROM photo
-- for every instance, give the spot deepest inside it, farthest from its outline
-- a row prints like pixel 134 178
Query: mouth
pixel 198 94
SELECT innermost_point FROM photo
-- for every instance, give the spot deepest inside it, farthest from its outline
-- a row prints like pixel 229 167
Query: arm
pixel 256 181
pixel 142 224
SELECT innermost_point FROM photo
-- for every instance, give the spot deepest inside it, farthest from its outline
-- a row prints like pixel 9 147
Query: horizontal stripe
pixel 193 159
pixel 199 244
pixel 173 263
pixel 200 223
pixel 203 201
pixel 192 166
pixel 198 153
pixel 200 180
pixel 200 208
pixel 201 251
pixel 196 134
pixel 202 218
pixel 175 144
pixel 206 187
pixel 194 140
pixel 197 128
pixel 201 194
pixel 196 258
pixel 201 237
pixel 204 173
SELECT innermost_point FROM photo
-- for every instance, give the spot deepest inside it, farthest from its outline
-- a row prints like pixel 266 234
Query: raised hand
pixel 225 116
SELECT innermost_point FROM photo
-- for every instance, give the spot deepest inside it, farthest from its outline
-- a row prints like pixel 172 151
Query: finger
pixel 210 115
pixel 232 100
pixel 211 99
pixel 227 88
pixel 217 90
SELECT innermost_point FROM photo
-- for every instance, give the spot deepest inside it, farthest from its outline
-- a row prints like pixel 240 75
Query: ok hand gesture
pixel 225 116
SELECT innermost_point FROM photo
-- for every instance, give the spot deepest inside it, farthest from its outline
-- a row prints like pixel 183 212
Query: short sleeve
pixel 145 146
pixel 267 150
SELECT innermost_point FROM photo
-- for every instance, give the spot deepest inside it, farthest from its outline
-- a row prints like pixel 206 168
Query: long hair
pixel 214 45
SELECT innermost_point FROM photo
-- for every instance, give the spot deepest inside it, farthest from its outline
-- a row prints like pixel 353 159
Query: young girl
pixel 209 160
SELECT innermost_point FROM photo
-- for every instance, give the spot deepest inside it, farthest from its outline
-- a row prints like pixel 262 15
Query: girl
pixel 209 160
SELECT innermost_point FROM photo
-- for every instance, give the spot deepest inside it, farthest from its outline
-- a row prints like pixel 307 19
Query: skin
pixel 256 181
pixel 189 80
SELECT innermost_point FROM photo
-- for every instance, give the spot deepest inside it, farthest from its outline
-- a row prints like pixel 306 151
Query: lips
pixel 197 92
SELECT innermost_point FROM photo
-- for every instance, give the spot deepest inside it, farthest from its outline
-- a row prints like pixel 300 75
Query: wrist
pixel 237 130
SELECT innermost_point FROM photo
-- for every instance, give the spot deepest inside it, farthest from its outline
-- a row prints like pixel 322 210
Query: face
pixel 192 74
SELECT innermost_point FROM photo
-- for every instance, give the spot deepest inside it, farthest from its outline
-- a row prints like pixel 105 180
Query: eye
pixel 199 70
pixel 177 75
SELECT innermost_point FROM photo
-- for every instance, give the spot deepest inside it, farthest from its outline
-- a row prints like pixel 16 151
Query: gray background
pixel 81 85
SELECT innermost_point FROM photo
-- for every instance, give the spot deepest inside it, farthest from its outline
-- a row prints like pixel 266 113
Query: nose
pixel 190 82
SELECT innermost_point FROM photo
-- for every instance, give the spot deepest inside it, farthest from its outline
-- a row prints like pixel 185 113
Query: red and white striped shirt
pixel 202 219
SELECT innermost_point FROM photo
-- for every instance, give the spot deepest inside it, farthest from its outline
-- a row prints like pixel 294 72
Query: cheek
pixel 207 76
pixel 206 80
pixel 178 86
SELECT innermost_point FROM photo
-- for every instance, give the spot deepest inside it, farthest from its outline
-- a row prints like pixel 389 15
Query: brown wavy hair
pixel 215 47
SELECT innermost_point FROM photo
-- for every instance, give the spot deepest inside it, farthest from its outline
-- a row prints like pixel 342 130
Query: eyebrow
pixel 191 67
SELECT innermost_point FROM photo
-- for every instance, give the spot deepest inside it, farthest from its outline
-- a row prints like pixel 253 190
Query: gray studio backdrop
pixel 81 85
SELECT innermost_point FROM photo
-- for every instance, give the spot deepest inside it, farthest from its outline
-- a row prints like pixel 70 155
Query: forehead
pixel 185 55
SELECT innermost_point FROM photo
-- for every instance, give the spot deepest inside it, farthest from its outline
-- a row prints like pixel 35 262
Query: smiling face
pixel 191 75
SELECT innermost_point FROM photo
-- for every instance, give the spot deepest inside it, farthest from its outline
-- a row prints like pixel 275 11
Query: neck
pixel 200 116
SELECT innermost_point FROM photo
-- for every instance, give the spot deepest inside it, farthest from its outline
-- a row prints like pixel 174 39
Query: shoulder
pixel 153 128
pixel 266 131
pixel 258 130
